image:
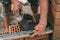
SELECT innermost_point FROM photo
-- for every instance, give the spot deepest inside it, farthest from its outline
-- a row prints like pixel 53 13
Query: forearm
pixel 6 22
pixel 43 11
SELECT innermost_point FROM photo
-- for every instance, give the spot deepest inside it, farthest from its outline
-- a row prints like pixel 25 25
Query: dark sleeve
pixel 33 1
pixel 8 1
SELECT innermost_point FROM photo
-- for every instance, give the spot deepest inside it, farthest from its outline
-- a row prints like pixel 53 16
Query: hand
pixel 39 29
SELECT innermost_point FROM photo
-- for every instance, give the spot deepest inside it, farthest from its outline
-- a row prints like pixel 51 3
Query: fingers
pixel 37 27
pixel 35 33
pixel 38 30
pixel 38 35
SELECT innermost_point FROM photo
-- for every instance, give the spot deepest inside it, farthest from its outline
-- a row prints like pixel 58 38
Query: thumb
pixel 34 34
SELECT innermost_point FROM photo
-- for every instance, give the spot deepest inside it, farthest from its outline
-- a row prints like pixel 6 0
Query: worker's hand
pixel 39 29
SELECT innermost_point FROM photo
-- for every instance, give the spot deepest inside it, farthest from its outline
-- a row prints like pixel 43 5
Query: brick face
pixel 56 34
pixel 57 28
pixel 14 28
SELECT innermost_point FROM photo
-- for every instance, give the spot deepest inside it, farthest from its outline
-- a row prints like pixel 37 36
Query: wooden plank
pixel 38 37
pixel 16 37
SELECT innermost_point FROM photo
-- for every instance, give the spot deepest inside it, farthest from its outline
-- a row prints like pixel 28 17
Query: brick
pixel 57 22
pixel 56 34
pixel 58 7
pixel 57 14
pixel 56 28
pixel 14 28
pixel 57 1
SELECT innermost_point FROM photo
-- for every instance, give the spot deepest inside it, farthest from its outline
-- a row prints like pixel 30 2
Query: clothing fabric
pixel 5 7
pixel 23 1
pixel 6 10
pixel 33 2
pixel 8 1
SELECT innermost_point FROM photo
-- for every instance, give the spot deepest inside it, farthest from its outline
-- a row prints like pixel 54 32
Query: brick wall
pixel 56 17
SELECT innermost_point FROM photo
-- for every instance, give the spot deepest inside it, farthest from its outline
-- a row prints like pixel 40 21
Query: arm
pixel 6 22
pixel 43 11
pixel 40 28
